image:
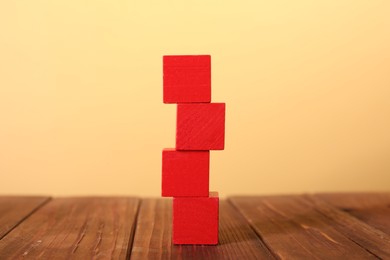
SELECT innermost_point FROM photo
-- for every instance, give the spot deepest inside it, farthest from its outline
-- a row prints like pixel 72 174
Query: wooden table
pixel 320 226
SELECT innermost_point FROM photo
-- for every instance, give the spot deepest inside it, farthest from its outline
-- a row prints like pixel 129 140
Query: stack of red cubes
pixel 185 169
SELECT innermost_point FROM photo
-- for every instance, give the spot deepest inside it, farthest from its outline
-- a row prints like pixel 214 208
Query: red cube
pixel 185 173
pixel 200 126
pixel 195 220
pixel 187 79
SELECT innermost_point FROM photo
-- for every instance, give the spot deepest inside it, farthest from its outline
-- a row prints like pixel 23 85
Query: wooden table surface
pixel 319 226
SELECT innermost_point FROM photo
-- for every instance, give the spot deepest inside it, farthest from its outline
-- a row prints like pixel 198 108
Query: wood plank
pixel 14 210
pixel 152 238
pixel 372 208
pixel 75 228
pixel 292 228
pixel 373 240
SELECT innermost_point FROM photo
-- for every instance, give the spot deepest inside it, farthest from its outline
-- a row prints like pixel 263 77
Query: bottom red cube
pixel 195 220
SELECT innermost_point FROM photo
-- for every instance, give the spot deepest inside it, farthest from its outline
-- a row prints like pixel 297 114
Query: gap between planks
pixel 152 239
pixel 292 227
pixel 14 210
pixel 75 228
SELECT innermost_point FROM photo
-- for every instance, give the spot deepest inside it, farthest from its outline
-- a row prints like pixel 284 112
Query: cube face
pixel 200 126
pixel 187 79
pixel 195 220
pixel 185 173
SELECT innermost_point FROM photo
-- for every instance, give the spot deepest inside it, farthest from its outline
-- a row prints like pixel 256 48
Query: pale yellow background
pixel 307 87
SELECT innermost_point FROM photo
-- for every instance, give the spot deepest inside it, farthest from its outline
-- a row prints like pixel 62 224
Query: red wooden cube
pixel 195 220
pixel 185 173
pixel 200 126
pixel 187 79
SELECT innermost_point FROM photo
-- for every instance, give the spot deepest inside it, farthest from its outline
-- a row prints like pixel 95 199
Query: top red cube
pixel 187 79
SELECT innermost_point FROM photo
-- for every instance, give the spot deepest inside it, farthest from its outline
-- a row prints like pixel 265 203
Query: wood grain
pixel 185 173
pixel 187 78
pixel 152 238
pixel 74 228
pixel 200 126
pixel 293 229
pixel 322 226
pixel 368 237
pixel 371 208
pixel 13 210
